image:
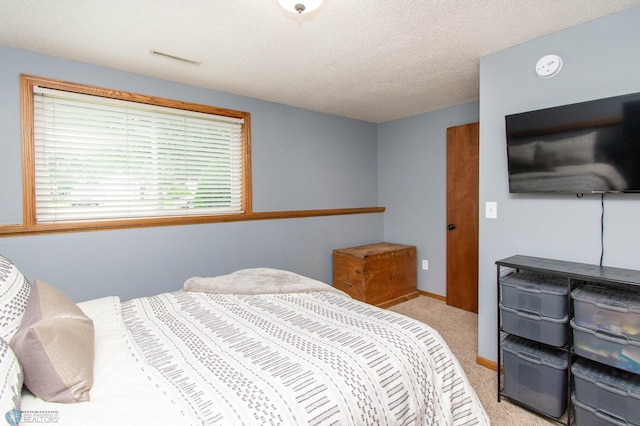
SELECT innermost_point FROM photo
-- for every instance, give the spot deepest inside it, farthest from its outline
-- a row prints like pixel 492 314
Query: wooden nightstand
pixel 381 274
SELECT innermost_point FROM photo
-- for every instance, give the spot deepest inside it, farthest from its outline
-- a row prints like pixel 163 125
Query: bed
pixel 255 347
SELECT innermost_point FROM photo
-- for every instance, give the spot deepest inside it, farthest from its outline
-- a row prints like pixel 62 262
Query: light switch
pixel 491 210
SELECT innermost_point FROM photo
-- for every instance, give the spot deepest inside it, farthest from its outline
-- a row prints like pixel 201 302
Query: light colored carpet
pixel 459 329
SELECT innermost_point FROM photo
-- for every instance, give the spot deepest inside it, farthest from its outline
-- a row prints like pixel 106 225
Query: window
pixel 93 154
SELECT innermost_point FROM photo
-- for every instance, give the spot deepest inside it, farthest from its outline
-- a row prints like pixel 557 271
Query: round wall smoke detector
pixel 548 66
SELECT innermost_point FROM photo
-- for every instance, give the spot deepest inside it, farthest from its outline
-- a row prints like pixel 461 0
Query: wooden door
pixel 462 216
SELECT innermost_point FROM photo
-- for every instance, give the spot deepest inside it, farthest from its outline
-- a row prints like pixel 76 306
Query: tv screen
pixel 588 147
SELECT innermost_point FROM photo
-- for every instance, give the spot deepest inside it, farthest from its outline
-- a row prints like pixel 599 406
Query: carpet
pixel 459 329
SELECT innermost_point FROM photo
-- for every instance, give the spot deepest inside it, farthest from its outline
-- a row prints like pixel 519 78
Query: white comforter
pixel 309 357
pixel 121 394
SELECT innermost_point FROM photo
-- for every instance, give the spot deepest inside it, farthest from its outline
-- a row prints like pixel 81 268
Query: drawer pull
pixel 347 284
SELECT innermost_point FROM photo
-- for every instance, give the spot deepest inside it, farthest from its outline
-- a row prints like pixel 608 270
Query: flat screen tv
pixel 588 147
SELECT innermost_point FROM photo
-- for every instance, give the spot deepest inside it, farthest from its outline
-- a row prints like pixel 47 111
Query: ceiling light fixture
pixel 300 6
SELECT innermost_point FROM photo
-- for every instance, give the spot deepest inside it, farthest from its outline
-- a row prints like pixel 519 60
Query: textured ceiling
pixel 373 60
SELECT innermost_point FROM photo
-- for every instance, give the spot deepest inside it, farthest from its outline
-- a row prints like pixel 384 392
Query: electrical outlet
pixel 425 264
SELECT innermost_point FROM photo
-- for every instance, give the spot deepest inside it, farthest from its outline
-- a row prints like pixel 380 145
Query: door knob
pixel 451 227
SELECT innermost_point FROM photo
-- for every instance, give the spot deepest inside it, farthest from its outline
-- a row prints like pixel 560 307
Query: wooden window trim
pixel 30 224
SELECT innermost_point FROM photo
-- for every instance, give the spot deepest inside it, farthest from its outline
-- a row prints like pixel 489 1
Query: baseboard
pixel 397 300
pixel 433 295
pixel 492 365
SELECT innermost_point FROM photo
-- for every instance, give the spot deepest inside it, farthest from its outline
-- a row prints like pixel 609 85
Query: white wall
pixel 601 59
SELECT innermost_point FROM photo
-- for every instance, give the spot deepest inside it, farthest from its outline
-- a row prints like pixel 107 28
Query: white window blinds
pixel 98 159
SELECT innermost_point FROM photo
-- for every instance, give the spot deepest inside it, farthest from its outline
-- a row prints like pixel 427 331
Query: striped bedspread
pixel 316 358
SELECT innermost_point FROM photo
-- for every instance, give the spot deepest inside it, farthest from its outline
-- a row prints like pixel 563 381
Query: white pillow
pixel 14 295
pixel 11 380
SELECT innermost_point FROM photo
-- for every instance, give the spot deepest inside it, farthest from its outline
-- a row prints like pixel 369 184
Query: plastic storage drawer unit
pixel 533 326
pixel 545 295
pixel 535 375
pixel 612 310
pixel 607 348
pixel 612 392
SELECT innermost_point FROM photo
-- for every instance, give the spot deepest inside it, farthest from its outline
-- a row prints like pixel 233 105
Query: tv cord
pixel 601 228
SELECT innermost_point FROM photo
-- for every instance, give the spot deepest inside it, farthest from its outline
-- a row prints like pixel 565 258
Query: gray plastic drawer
pixel 531 325
pixel 608 390
pixel 543 294
pixel 535 375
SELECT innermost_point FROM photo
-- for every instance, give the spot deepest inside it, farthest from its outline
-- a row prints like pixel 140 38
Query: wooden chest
pixel 381 274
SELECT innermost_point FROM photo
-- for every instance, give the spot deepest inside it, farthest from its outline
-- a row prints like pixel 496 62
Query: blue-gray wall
pixel 412 186
pixel 301 160
pixel 601 58
pixel 307 160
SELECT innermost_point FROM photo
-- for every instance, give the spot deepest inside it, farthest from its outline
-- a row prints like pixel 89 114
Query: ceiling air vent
pixel 175 58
